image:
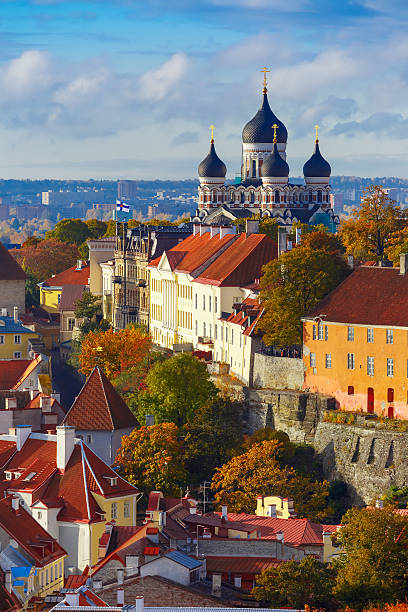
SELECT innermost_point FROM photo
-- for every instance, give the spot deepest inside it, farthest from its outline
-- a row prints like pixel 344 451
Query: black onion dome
pixel 274 165
pixel 260 129
pixel 212 166
pixel 317 166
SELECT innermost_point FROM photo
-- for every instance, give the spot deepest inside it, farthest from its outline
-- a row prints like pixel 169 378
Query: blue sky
pixel 127 89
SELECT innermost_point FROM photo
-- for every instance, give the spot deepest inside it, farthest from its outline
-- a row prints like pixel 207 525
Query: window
pixel 350 361
pixel 196 328
pixel 204 329
pixel 126 510
pixel 17 355
pixel 17 339
pixel 370 334
pixel 350 334
pixel 114 511
pixel 253 169
pixel 226 334
pixel 89 439
pixel 326 332
pixel 2 339
pixel 216 304
pixel 210 330
pixel 328 360
pixel 39 515
pixel 314 332
pixel 232 336
pixel 215 331
pixel 196 300
pixel 52 573
pixel 390 367
pixel 390 395
pixel 390 336
pixel 203 302
pixel 320 331
pixel 71 323
pixel 59 298
pixel 350 390
pixel 370 366
pixel 209 303
pixel 312 360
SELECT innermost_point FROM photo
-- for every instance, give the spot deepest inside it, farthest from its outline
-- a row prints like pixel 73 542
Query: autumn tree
pixel 113 352
pixel 373 567
pixel 88 306
pixel 72 231
pixel 367 233
pixel 47 257
pixel 258 472
pixel 176 389
pixel 295 585
pixel 151 458
pixel 212 437
pixel 96 228
pixel 294 284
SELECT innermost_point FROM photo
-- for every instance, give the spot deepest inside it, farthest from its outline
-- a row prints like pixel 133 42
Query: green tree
pixel 32 291
pixel 151 458
pixel 373 568
pixel 293 584
pixel 88 306
pixel 71 231
pixel 96 228
pixel 293 285
pixel 368 232
pixel 259 472
pixel 212 437
pixel 176 389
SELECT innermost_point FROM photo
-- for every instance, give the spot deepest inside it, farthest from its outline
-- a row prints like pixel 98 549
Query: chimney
pixel 227 229
pixel 72 599
pixel 403 263
pixel 65 445
pixel 350 261
pixel 162 519
pixel 139 603
pixel 196 229
pixel 224 513
pixel 97 584
pixel 280 537
pixel 193 510
pixel 132 564
pixel 15 314
pixel 149 420
pixel 252 227
pixel 15 503
pixel 215 229
pixel 204 229
pixel 10 403
pixel 22 433
pixel 216 585
pixel 120 573
pixel 121 597
pixel 79 264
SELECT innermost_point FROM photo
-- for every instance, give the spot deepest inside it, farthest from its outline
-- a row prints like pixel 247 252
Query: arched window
pixel 277 197
pixel 213 196
pixel 268 197
pixel 232 196
pixel 310 196
pixel 242 197
pixel 252 197
pixel 254 168
pixel 319 196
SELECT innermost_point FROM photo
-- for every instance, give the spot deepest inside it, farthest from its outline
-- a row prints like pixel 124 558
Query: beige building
pixel 100 251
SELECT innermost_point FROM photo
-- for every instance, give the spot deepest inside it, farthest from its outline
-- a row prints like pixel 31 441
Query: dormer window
pixel 113 480
pixel 30 476
pixel 9 475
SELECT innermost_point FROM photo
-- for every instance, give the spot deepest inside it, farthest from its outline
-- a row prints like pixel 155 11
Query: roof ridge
pixel 85 483
pixel 101 378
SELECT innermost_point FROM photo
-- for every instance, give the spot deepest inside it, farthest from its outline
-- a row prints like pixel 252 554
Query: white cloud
pixel 27 73
pixel 158 83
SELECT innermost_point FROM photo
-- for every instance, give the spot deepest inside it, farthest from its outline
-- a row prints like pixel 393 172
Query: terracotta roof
pixel 240 565
pixel 13 372
pixel 369 296
pixel 248 307
pixel 29 534
pixel 71 294
pixel 9 268
pixel 87 599
pixel 8 601
pixel 154 501
pixel 7 450
pixel 196 250
pixel 99 406
pixel 74 581
pixel 135 544
pixel 241 263
pixel 36 402
pixel 72 276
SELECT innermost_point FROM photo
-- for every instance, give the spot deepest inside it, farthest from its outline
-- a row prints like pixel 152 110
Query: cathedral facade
pixel 264 186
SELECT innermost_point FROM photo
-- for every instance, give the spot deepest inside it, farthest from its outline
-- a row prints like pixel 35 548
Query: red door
pixel 370 400
pixel 390 412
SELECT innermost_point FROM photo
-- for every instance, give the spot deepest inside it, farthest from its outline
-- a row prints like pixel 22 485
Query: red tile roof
pixel 9 268
pixel 72 276
pixel 241 263
pixel 197 251
pixel 154 501
pixel 99 406
pixel 369 296
pixel 248 307
pixel 240 565
pixel 8 601
pixel 13 372
pixel 74 581
pixel 29 534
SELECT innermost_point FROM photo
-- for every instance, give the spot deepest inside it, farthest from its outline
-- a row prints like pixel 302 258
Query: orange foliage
pixel 114 352
pixel 46 257
pixel 398 607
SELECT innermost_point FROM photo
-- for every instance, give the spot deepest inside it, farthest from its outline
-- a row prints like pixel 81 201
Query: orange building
pixel 356 342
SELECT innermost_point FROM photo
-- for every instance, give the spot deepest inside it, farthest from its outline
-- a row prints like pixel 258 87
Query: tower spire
pixel 317 133
pixel 264 70
pixel 275 127
pixel 212 128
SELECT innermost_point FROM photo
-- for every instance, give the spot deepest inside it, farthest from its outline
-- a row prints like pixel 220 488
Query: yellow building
pixel 51 289
pixel 15 338
pixel 275 506
pixel 356 342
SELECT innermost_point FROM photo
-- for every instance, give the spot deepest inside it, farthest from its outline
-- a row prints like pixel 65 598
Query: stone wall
pixel 277 372
pixel 12 293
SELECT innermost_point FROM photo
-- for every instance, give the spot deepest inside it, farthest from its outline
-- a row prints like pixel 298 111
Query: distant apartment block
pixel 64 198
pixel 127 190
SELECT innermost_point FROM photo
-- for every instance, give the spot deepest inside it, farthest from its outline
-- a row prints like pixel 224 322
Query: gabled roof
pixel 250 307
pixel 241 263
pixel 9 268
pixel 13 372
pixel 29 534
pixel 9 326
pixel 240 565
pixel 369 296
pixel 71 294
pixel 183 559
pixel 72 276
pixel 99 406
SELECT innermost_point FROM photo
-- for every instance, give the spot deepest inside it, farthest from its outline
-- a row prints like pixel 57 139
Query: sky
pixel 128 88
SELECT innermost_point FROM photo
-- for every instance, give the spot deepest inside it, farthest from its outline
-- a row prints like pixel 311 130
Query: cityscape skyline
pixel 117 89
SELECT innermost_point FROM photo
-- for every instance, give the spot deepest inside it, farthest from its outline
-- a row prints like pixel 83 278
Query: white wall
pixel 166 568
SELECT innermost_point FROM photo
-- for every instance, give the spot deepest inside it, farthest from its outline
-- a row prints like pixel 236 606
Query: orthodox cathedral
pixel 264 187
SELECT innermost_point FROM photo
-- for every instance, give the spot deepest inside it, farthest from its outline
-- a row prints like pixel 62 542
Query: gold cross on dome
pixel 275 127
pixel 212 128
pixel 317 132
pixel 264 70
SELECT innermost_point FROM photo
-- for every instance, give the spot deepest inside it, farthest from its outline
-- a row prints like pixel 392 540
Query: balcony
pixel 117 280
